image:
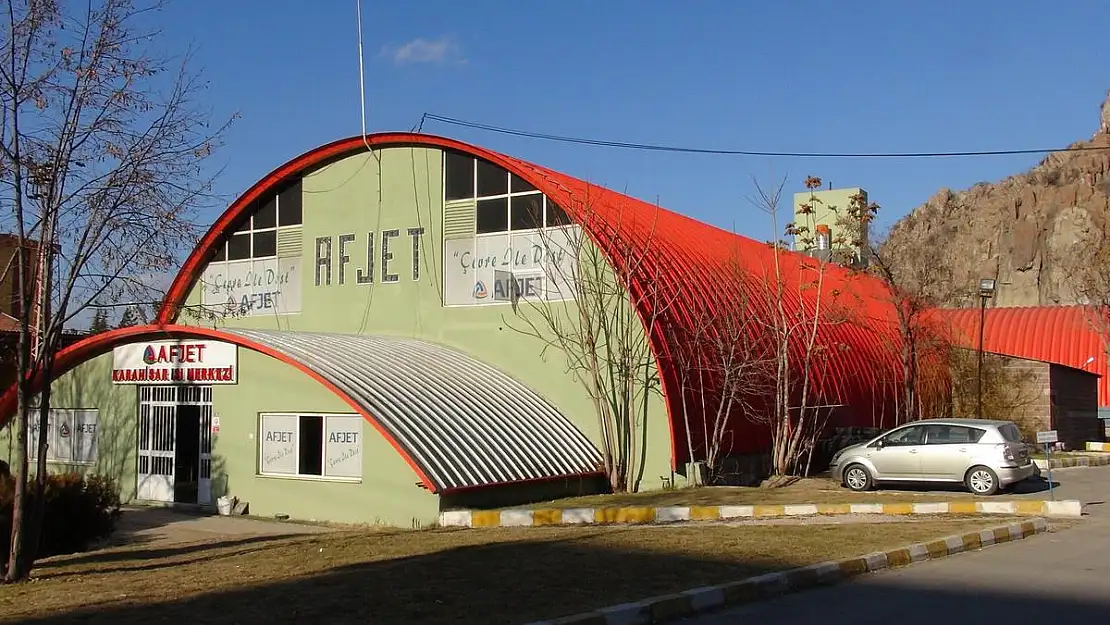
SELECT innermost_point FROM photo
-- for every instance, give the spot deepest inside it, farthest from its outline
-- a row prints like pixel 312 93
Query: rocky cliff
pixel 1028 231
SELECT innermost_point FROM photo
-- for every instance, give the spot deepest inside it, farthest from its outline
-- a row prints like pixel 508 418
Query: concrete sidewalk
pixel 165 526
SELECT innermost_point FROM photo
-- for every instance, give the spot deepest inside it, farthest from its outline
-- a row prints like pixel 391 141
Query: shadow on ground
pixel 512 582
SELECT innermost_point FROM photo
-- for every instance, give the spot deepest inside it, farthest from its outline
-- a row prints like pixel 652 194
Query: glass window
pixel 1010 432
pixel 520 185
pixel 492 180
pixel 555 215
pixel 220 253
pixel 244 225
pixel 526 211
pixel 265 244
pixel 266 215
pixel 952 435
pixel 311 445
pixel 914 435
pixel 239 247
pixel 493 215
pixel 311 437
pixel 458 176
pixel 289 205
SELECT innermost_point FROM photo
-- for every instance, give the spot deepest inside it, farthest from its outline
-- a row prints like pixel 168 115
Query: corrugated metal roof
pixel 691 264
pixel 464 422
pixel 1063 335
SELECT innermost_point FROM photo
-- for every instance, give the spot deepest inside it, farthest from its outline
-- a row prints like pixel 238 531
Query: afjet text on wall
pixel 334 256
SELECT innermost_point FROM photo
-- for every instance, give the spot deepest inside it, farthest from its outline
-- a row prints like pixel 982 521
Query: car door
pixel 947 452
pixel 898 457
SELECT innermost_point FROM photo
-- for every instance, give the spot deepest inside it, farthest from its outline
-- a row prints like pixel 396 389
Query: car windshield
pixel 1010 432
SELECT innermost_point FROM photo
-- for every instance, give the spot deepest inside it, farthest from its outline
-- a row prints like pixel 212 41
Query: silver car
pixel 987 456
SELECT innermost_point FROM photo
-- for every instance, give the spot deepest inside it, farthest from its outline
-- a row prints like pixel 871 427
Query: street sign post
pixel 1048 438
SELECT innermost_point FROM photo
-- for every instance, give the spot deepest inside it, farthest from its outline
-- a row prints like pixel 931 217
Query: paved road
pixel 1046 579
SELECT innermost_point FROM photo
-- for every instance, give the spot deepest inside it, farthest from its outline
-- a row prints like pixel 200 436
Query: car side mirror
pixel 879 444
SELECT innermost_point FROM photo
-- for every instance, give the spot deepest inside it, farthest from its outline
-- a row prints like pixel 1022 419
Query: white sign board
pixel 270 286
pixel 279 444
pixel 176 362
pixel 343 446
pixel 71 436
pixel 501 267
pixel 1048 436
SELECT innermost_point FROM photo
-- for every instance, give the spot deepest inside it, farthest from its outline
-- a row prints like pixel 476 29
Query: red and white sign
pixel 176 362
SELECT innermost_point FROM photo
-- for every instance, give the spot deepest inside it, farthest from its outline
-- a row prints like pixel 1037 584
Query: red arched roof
pixel 691 262
pixel 1064 335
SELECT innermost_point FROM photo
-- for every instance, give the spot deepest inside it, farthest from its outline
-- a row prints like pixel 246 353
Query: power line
pixel 691 150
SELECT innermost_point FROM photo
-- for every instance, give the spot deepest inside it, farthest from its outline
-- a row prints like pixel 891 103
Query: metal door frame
pixel 161 402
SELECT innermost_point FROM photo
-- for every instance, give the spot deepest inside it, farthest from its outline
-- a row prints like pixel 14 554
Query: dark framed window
pixel 526 212
pixel 493 215
pixel 520 185
pixel 311 433
pixel 555 216
pixel 266 215
pixel 492 180
pixel 952 435
pixel 289 205
pixel 913 435
pixel 265 244
pixel 458 175
pixel 239 247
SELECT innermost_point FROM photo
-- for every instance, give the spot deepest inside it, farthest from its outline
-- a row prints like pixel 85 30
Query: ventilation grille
pixel 459 219
pixel 289 243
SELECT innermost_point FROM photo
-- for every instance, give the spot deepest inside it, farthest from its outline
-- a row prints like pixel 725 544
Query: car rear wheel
pixel 857 478
pixel 981 480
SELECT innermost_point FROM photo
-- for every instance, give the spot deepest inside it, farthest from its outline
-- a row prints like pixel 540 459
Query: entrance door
pixel 186 464
pixel 175 444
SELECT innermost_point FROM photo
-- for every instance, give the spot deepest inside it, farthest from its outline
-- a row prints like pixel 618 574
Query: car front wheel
pixel 982 481
pixel 857 478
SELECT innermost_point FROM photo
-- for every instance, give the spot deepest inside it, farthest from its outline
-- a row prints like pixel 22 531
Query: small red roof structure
pixel 1064 335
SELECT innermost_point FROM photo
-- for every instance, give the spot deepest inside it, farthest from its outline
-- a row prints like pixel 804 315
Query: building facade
pixel 360 338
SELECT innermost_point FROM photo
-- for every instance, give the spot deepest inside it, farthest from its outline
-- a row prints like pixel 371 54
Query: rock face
pixel 1030 231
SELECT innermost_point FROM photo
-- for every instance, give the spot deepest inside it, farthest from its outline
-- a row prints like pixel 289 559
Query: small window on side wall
pixel 458 174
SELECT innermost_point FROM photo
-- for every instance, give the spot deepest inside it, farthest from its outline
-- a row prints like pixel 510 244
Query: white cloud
pixel 420 50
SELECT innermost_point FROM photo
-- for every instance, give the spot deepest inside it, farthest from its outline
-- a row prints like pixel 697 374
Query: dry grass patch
pixel 801 492
pixel 439 576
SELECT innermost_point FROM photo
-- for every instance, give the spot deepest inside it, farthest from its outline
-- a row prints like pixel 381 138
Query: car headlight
pixel 836 456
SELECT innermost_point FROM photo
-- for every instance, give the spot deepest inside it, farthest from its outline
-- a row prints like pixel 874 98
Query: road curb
pixel 545 517
pixel 665 608
pixel 1078 461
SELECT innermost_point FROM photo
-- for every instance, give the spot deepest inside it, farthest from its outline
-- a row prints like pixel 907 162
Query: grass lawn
pixel 804 491
pixel 436 576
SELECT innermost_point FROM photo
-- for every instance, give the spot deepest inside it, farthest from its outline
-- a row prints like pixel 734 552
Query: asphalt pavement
pixel 1050 578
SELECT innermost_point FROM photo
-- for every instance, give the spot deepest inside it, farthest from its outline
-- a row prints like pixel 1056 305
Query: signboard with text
pixel 71 436
pixel 505 267
pixel 270 286
pixel 176 362
pixel 1048 436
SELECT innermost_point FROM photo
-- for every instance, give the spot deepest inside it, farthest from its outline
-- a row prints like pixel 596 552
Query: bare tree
pixel 600 317
pixel 102 157
pixel 800 307
pixel 917 281
pixel 725 368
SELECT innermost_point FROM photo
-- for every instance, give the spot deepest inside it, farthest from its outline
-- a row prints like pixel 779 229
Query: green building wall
pixel 400 189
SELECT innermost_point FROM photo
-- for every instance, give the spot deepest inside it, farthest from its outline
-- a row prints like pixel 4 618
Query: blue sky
pixel 849 76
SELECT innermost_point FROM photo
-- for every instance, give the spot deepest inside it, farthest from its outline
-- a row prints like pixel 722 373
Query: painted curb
pixel 1098 446
pixel 674 606
pixel 542 517
pixel 1080 461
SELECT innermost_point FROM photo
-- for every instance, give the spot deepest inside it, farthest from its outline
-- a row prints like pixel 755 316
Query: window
pixel 914 435
pixel 952 435
pixel 256 236
pixel 1010 432
pixel 311 446
pixel 71 436
pixel 505 201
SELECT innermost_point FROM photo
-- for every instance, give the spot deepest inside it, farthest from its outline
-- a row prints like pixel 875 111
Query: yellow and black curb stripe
pixel 542 517
pixel 1076 461
pixel 679 605
pixel 1098 447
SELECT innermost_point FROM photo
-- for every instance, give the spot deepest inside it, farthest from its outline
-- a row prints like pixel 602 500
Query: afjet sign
pixel 176 362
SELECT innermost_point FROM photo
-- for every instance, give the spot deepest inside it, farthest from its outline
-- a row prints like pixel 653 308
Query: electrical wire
pixel 736 152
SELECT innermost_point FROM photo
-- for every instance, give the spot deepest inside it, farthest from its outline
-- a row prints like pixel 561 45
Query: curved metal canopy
pixel 465 423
